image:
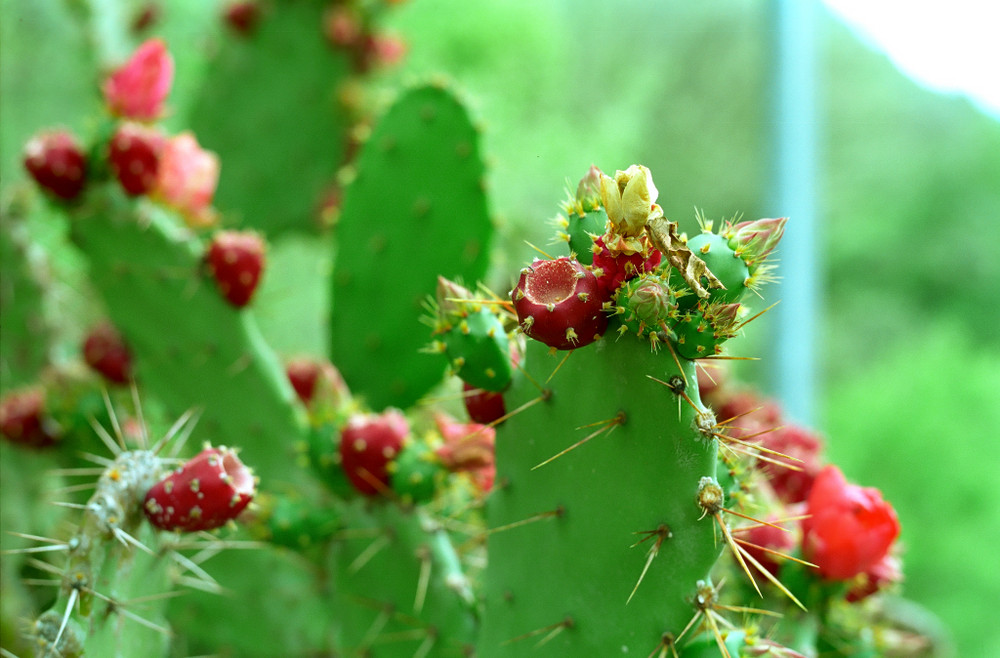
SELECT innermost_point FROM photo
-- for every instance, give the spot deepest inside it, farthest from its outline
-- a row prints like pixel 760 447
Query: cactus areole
pixel 558 303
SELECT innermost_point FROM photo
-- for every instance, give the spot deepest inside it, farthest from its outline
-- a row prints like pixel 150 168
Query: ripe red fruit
pixel 483 406
pixel 849 528
pixel 134 155
pixel 615 270
pixel 56 162
pixel 23 419
pixel 105 351
pixel 558 303
pixel 311 376
pixel 242 17
pixel 368 443
pixel 211 489
pixel 236 260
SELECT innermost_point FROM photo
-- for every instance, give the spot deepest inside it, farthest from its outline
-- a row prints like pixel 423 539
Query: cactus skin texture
pixel 410 598
pixel 149 271
pixel 606 493
pixel 297 127
pixel 417 204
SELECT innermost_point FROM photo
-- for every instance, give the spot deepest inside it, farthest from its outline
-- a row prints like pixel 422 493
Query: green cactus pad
pixel 400 589
pixel 583 510
pixel 480 351
pixel 724 263
pixel 580 228
pixel 416 209
pixel 193 351
pixel 268 106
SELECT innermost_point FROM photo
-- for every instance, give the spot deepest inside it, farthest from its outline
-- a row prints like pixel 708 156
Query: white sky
pixel 951 46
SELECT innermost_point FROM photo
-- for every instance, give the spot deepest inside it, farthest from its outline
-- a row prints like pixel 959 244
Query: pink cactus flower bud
pixel 207 492
pixel 139 89
pixel 756 239
pixel 187 179
pixel 57 163
pixel 588 190
pixel 849 529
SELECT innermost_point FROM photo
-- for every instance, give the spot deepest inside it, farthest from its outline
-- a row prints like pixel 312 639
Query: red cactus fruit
pixel 56 162
pixel 236 260
pixel 208 491
pixel 615 270
pixel 792 485
pixel 105 351
pixel 23 419
pixel 242 16
pixel 558 303
pixel 310 377
pixel 849 528
pixel 483 406
pixel 368 443
pixel 134 155
pixel 468 448
pixel 139 88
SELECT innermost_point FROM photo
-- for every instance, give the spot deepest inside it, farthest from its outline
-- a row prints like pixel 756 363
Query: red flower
pixel 849 528
pixel 139 88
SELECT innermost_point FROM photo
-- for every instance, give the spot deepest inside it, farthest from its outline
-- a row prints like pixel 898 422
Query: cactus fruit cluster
pixel 611 492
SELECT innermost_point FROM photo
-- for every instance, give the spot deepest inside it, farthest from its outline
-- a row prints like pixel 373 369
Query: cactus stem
pixel 557 512
pixel 662 533
pixel 551 631
pixel 608 426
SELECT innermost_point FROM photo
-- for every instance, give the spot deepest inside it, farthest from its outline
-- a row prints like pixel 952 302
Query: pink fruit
pixel 187 179
pixel 105 351
pixel 207 492
pixel 236 260
pixel 139 88
pixel 368 443
pixel 134 155
pixel 56 162
pixel 23 419
pixel 469 448
pixel 558 303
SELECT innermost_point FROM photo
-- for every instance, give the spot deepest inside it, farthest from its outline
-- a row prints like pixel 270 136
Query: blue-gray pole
pixel 794 126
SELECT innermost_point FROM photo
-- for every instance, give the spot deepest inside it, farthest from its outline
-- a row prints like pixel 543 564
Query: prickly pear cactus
pixel 417 204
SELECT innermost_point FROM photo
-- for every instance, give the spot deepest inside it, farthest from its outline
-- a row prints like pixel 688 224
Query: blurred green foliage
pixel 908 210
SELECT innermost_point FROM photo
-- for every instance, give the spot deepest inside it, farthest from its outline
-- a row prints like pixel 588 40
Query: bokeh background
pixel 906 359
